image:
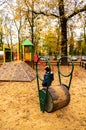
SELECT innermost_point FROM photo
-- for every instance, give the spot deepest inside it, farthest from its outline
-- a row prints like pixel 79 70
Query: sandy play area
pixel 19 106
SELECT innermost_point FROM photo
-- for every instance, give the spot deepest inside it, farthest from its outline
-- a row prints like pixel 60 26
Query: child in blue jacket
pixel 48 77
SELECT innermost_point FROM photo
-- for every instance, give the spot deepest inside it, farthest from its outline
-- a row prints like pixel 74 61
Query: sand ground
pixel 19 106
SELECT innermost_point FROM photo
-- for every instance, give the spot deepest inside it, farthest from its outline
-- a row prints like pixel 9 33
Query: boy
pixel 48 77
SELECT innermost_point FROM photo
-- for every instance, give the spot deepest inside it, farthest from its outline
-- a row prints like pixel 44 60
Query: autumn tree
pixel 33 20
pixel 1 35
pixel 1 31
pixel 63 10
pixel 42 28
pixel 30 16
pixel 84 28
pixel 51 40
pixel 18 19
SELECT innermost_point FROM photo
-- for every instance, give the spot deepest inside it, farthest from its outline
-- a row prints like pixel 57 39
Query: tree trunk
pixel 63 37
pixel 32 27
pixel 63 24
pixel 18 48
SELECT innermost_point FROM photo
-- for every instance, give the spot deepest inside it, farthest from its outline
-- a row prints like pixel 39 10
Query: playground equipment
pixel 27 51
pixel 52 98
pixel 16 71
pixel 1 56
pixel 6 55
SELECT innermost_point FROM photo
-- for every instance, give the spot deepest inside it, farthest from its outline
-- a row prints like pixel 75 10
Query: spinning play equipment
pixel 52 98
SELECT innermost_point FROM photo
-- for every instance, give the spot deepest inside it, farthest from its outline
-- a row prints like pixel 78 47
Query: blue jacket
pixel 48 78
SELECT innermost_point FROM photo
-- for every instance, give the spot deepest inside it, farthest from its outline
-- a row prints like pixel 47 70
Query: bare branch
pixel 45 13
pixel 76 12
pixel 3 2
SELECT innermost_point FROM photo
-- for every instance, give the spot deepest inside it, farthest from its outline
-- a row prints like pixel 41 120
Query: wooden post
pixel 11 52
pixel 18 52
pixel 4 53
pixel 23 52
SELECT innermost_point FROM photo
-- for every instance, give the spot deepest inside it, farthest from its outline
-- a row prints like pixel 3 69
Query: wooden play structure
pixel 27 52
pixel 52 98
pixel 18 70
pixel 6 55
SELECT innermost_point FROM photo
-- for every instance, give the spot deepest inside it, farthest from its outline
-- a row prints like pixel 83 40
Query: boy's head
pixel 47 68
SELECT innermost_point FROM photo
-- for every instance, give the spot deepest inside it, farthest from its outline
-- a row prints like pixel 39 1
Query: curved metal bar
pixel 60 73
pixel 42 95
pixel 59 66
pixel 48 63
